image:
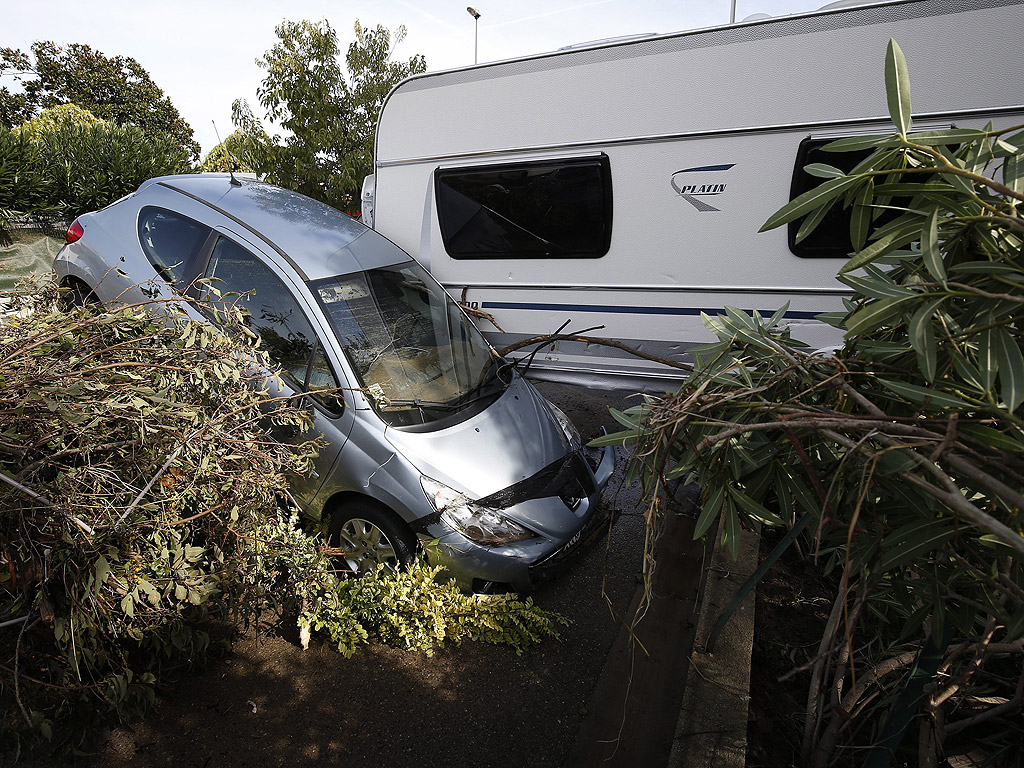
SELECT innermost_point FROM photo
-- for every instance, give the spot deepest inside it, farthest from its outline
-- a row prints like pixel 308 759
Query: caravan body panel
pixel 700 132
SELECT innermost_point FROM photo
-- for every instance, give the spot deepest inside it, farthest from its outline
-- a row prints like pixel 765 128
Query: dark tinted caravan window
pixel 170 241
pixel 831 238
pixel 543 209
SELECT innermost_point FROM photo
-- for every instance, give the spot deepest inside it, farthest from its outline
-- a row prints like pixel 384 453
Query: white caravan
pixel 623 184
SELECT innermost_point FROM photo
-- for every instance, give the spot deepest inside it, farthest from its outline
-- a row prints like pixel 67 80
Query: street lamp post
pixel 476 29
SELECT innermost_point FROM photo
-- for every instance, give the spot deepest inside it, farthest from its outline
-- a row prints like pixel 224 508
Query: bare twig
pixel 988 714
pixel 552 337
pixel 46 502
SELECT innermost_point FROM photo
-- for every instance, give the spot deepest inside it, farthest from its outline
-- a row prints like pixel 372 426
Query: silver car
pixel 434 440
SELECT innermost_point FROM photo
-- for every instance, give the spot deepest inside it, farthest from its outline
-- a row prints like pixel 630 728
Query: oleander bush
pixel 898 461
pixel 59 166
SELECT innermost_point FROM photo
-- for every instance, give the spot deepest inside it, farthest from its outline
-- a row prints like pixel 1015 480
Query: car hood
pixel 512 439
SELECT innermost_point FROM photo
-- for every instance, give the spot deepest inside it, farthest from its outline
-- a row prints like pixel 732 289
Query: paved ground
pixel 474 705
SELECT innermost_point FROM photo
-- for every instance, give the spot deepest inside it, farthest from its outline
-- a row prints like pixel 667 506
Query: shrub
pixel 142 504
pixel 91 166
pixel 25 187
pixel 899 459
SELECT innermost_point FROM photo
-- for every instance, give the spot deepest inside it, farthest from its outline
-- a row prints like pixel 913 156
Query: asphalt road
pixel 272 704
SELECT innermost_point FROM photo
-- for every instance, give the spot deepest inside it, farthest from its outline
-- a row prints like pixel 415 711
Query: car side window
pixel 171 242
pixel 236 280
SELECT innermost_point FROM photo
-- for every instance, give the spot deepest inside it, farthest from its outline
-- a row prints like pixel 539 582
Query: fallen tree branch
pixel 552 337
pixel 46 502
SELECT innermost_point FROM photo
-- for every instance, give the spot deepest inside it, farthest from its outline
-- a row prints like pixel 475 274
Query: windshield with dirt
pixel 418 357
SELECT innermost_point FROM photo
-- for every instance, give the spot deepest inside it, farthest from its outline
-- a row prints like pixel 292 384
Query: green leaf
pixel 988 358
pixel 777 317
pixel 1011 367
pixel 895 462
pixel 985 267
pixel 1013 173
pixel 874 314
pixel 710 509
pixel 995 438
pixel 912 541
pixel 945 137
pixel 753 509
pixel 150 590
pixel 877 250
pixel 801 493
pixel 811 223
pixel 876 287
pixel 905 188
pixel 740 317
pixel 731 530
pixel 1003 148
pixel 860 216
pixel 922 338
pixel 616 438
pixel 808 201
pixel 897 87
pixel 102 571
pixel 930 250
pixel 924 395
pixel 623 418
pixel 824 171
pixel 859 143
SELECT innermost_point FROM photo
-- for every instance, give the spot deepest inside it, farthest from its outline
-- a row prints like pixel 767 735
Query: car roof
pixel 316 239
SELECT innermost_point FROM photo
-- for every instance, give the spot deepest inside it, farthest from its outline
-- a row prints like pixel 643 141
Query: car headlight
pixel 478 524
pixel 568 428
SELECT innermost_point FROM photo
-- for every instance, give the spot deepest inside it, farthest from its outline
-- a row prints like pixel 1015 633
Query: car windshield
pixel 419 358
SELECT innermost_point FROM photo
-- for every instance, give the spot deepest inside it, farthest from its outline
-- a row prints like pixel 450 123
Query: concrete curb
pixel 712 725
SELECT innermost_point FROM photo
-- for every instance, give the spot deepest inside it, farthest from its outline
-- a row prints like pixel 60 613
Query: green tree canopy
pixel 329 113
pixel 56 118
pixel 244 150
pixel 116 89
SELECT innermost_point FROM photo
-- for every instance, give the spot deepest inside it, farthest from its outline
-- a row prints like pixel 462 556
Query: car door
pixel 235 277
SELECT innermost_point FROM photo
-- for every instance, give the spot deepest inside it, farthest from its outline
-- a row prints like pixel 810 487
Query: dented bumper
pixel 520 567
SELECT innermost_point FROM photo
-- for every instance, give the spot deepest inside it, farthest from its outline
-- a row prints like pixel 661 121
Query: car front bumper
pixel 519 567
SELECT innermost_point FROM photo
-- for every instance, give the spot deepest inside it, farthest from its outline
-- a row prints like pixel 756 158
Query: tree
pixel 61 117
pixel 243 150
pixel 898 460
pixel 115 89
pixel 330 116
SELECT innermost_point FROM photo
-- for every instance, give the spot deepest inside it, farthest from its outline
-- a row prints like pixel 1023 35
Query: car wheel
pixel 370 536
pixel 80 295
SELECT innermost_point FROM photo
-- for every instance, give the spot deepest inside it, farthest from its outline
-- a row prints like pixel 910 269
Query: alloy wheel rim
pixel 366 546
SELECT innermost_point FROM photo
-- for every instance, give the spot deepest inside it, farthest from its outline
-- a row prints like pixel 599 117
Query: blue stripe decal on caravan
pixel 620 310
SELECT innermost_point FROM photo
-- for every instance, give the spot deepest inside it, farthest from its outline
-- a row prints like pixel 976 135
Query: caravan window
pixel 543 209
pixel 831 238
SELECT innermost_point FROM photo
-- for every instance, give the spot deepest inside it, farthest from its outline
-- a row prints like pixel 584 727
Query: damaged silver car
pixel 431 437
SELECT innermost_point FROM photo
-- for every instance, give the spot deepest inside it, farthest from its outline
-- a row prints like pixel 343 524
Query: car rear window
pixel 170 241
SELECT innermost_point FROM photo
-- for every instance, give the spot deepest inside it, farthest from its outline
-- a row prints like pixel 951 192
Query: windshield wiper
pixel 426 404
pixel 457 404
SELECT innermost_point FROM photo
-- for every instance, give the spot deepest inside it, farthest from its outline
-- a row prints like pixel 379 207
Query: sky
pixel 203 54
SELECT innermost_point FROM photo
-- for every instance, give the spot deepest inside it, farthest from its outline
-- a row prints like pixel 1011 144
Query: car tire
pixel 373 536
pixel 80 295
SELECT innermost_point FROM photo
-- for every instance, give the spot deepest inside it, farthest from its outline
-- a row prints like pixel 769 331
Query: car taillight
pixel 75 232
